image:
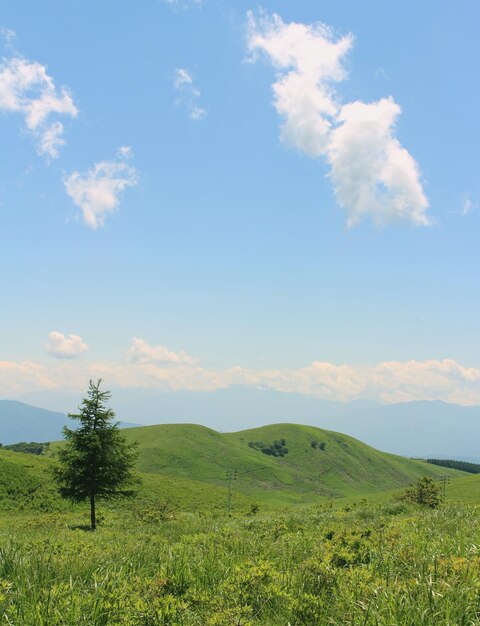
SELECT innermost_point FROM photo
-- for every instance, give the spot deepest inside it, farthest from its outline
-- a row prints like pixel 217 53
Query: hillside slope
pixel 464 489
pixel 26 484
pixel 345 467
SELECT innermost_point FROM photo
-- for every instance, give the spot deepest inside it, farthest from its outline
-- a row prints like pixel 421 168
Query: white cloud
pixel 51 140
pixel 8 36
pixel 184 3
pixel 98 191
pixel 125 152
pixel 373 175
pixel 467 205
pixel 308 61
pixel 27 89
pixel 17 378
pixel 187 93
pixel 143 353
pixel 156 367
pixel 65 347
pixel 388 381
pixel 182 77
pixel 426 380
pixel 197 113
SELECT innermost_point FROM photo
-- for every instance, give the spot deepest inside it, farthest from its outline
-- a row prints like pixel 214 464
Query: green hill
pixel 187 465
pixel 464 489
pixel 26 484
pixel 344 467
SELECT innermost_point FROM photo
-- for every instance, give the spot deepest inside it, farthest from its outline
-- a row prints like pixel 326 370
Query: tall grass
pixel 373 564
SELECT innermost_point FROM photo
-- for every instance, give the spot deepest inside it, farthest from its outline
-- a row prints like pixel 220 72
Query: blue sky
pixel 214 248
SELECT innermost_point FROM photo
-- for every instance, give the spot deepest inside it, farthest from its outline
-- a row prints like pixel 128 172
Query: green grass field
pixel 329 542
pixel 372 564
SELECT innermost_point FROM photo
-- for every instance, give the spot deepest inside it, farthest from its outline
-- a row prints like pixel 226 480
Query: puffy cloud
pixel 62 347
pixel 187 93
pixel 388 381
pixel 26 88
pixel 426 380
pixel 309 61
pixel 373 175
pixel 143 353
pixel 156 367
pixel 98 191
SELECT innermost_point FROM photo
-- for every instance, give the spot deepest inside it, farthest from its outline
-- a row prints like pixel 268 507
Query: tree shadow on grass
pixel 84 527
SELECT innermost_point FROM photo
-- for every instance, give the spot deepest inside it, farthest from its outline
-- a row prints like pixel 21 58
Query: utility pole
pixel 231 475
pixel 445 480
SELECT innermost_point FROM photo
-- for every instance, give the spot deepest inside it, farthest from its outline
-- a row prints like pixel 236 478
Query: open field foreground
pixel 365 563
pixel 317 536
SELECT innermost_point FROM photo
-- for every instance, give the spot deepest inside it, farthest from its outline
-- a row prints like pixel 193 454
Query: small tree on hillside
pixel 425 491
pixel 96 462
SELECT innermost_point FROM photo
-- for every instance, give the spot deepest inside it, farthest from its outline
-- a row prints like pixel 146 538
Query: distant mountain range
pixel 23 422
pixel 418 429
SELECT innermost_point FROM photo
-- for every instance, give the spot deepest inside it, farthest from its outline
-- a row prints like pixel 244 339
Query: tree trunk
pixel 93 519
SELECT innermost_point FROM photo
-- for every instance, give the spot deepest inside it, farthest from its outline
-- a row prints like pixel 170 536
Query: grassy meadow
pixel 360 563
pixel 317 536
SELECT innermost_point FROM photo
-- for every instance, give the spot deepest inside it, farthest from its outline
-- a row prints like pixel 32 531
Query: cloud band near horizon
pixel 156 367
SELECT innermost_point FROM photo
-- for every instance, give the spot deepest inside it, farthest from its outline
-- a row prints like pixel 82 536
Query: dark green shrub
pixel 425 492
pixel 30 448
pixel 277 448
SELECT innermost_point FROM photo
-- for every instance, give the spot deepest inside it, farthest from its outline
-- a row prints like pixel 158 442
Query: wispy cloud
pixel 98 191
pixel 185 4
pixel 182 78
pixel 8 37
pixel 60 346
pixel 187 93
pixel 467 205
pixel 27 89
pixel 372 174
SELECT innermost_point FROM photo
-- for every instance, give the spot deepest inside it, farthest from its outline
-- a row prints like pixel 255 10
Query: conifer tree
pixel 96 462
